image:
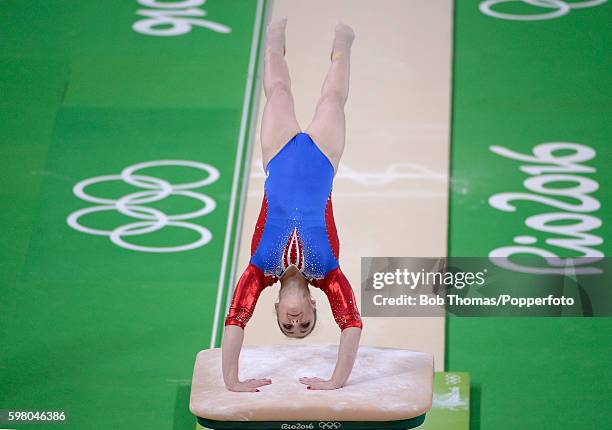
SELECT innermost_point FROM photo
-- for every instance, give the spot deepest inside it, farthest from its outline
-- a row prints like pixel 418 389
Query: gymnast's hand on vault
pixel 249 385
pixel 347 351
pixel 318 384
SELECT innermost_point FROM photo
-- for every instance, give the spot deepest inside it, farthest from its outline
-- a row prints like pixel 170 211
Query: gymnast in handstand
pixel 295 240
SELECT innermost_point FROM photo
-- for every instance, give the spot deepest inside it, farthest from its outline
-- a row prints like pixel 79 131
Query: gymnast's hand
pixel 248 385
pixel 319 383
pixel 230 353
pixel 347 352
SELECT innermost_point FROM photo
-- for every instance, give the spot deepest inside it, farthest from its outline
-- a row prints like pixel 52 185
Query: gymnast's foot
pixel 343 40
pixel 275 36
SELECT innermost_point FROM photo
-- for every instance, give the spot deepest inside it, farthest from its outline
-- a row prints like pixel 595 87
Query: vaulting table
pixel 388 389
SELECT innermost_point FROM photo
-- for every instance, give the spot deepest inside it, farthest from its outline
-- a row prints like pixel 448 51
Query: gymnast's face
pixel 296 314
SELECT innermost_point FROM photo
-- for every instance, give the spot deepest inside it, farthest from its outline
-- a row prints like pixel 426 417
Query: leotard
pixel 296 227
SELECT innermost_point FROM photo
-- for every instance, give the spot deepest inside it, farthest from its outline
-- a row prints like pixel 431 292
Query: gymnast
pixel 295 240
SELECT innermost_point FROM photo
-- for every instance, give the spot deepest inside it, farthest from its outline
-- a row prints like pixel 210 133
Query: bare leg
pixel 278 124
pixel 328 125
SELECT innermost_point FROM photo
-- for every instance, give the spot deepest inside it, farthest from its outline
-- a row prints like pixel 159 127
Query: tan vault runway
pixel 390 193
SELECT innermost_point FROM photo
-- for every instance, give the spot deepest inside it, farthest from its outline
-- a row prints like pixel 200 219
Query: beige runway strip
pixel 390 193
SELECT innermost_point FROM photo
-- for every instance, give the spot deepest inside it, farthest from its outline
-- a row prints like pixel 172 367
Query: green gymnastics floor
pixel 518 84
pixel 91 89
pixel 107 333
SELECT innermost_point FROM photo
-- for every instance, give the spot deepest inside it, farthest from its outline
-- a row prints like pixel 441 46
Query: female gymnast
pixel 295 240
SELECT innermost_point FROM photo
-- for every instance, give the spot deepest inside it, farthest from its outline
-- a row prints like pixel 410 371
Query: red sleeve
pixel 249 287
pixel 341 299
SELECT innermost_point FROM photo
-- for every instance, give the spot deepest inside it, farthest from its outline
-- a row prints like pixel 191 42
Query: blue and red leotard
pixel 296 227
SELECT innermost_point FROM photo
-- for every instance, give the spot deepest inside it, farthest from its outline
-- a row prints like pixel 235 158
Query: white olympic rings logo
pixel 452 379
pixel 561 8
pixel 330 425
pixel 153 219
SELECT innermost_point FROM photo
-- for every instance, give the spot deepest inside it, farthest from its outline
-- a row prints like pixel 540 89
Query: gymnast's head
pixel 296 311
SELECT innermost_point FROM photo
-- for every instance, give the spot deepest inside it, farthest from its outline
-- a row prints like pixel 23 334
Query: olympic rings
pixel 153 219
pixel 562 8
pixel 330 425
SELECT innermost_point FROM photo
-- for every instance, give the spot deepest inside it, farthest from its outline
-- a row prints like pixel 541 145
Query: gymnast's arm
pixel 344 309
pixel 247 291
pixel 347 352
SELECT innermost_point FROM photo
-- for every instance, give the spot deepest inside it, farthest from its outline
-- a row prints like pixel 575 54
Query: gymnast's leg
pixel 278 124
pixel 328 125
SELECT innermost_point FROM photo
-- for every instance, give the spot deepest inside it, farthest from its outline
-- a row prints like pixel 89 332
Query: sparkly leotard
pixel 296 228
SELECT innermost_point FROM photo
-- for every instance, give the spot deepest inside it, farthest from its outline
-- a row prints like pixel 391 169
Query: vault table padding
pixel 385 385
